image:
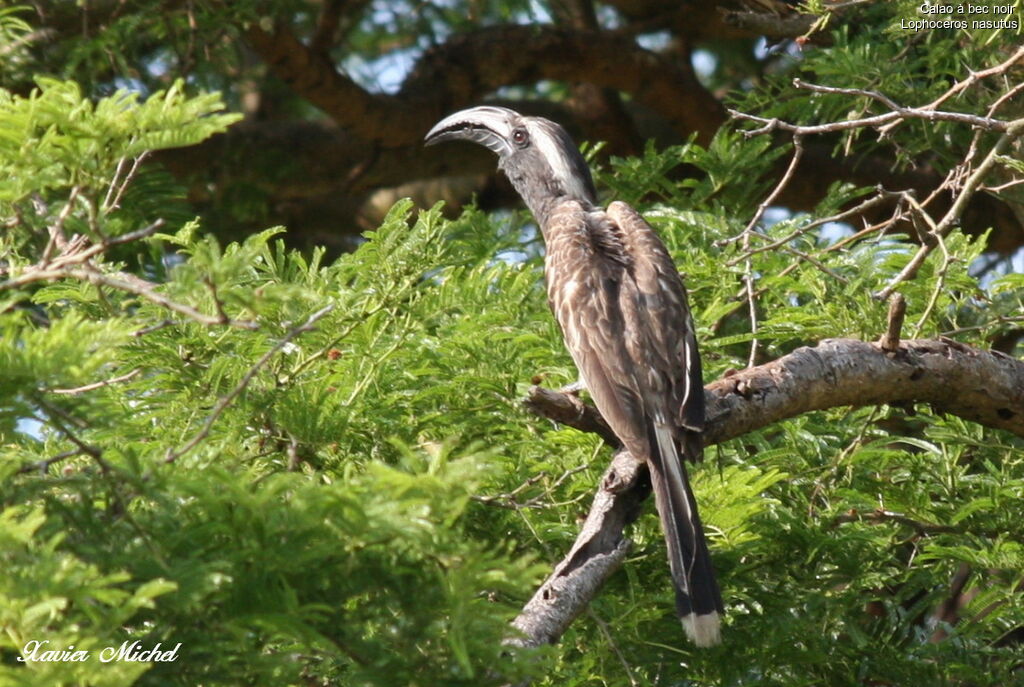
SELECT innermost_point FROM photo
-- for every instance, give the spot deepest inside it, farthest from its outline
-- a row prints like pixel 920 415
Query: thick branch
pixel 312 75
pixel 978 385
pixel 598 552
pixel 981 386
pixel 470 66
pixel 770 24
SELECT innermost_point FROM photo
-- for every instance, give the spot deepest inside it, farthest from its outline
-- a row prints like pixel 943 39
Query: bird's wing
pixel 585 282
pixel 660 328
pixel 671 341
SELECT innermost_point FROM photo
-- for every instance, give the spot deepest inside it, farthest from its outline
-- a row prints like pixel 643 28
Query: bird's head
pixel 536 154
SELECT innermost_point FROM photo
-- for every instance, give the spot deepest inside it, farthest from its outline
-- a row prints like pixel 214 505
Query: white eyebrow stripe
pixel 552 152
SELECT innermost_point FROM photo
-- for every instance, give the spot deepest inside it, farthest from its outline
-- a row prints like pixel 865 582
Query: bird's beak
pixel 489 126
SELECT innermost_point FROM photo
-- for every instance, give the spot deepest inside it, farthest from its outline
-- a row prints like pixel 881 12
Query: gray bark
pixel 982 386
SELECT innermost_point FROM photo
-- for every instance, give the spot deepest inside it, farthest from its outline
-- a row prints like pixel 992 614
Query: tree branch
pixel 599 551
pixel 981 386
pixel 312 75
pixel 769 24
pixel 470 66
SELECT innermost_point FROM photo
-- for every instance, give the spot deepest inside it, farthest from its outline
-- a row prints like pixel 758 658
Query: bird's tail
pixel 698 600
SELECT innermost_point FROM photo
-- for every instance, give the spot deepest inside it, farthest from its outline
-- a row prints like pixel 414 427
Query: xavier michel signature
pixel 36 650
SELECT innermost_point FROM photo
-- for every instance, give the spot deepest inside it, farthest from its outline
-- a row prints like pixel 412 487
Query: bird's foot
pixel 573 389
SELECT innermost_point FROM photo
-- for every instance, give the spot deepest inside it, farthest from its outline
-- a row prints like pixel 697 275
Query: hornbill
pixel 624 316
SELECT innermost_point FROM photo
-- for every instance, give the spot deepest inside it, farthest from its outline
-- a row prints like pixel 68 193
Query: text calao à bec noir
pixel 962 16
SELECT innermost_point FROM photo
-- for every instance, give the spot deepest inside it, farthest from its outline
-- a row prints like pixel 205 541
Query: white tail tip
pixel 703 630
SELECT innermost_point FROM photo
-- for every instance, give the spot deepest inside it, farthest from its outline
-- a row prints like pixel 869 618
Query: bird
pixel 626 322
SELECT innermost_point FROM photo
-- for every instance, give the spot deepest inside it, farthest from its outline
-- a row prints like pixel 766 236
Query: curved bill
pixel 487 125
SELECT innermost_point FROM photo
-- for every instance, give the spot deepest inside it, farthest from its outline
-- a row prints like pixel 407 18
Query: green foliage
pixel 364 501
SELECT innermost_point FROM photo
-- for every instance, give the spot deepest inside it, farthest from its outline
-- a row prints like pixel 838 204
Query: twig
pixel 794 162
pixel 1002 187
pixel 952 216
pixel 153 328
pixel 739 297
pixel 897 113
pixel 60 419
pixel 226 400
pixel 973 78
pixel 217 305
pixel 1000 319
pixel 748 287
pixel 817 263
pixel 927 112
pixel 324 350
pixel 878 198
pixel 97 385
pixel 508 499
pixel 126 283
pixel 56 230
pixel 880 516
pixel 112 204
pixel 26 39
pixel 1004 97
pixel 748 267
pixel 75 254
pixel 146 291
pixel 890 341
pixel 609 637
pixel 43 465
pixel 940 282
pixel 874 95
pixel 897 215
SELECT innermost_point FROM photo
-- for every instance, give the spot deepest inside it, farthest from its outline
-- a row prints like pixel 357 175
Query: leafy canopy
pixel 363 501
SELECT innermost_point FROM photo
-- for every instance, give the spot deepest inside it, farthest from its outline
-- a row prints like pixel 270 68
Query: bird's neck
pixel 543 207
pixel 543 196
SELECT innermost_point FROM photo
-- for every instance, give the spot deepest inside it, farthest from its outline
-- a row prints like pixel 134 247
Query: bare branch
pixel 97 385
pixel 896 113
pixel 56 230
pixel 598 552
pixel 890 342
pixel 118 185
pixel 748 231
pixel 881 196
pixel 952 216
pixel 836 372
pixel 881 516
pixel 973 78
pixel 769 24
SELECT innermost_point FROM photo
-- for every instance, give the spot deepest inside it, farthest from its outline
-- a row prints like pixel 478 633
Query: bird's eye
pixel 519 137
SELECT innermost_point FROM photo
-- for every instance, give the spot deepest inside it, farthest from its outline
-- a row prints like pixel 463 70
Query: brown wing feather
pixel 671 331
pixel 585 289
